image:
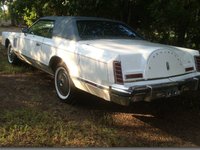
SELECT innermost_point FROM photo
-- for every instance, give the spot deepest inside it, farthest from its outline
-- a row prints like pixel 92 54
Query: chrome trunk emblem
pixel 167 65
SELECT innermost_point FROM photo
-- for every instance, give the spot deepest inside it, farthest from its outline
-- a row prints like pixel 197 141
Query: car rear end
pixel 162 73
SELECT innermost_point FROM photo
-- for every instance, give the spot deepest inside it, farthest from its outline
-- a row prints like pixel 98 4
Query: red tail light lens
pixel 197 61
pixel 134 76
pixel 117 68
pixel 189 69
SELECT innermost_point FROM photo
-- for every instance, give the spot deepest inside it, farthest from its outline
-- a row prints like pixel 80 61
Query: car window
pixel 92 29
pixel 42 28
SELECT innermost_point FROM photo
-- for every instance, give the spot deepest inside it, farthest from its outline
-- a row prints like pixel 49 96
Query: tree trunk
pixel 181 32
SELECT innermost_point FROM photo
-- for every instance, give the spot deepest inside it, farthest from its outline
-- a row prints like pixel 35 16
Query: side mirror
pixel 25 30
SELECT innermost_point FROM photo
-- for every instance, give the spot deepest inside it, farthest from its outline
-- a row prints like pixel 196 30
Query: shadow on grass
pixel 178 117
pixel 175 104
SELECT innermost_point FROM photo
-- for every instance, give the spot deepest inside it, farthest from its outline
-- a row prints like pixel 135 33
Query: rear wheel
pixel 64 86
pixel 12 58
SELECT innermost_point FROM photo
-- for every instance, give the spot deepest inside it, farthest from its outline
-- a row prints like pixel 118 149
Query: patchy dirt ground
pixel 162 123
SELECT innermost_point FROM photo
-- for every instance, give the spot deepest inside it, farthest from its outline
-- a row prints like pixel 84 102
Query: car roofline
pixel 76 18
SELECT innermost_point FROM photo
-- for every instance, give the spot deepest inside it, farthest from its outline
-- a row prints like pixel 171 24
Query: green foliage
pixel 29 16
pixel 4 14
pixel 178 17
pixel 175 22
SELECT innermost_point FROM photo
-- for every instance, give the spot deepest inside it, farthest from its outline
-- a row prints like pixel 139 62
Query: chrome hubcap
pixel 62 83
pixel 10 54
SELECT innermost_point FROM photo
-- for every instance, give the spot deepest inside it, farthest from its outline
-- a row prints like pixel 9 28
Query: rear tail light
pixel 197 61
pixel 134 76
pixel 117 68
pixel 189 69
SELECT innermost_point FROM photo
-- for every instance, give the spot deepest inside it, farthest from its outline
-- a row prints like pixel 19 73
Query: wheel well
pixel 7 42
pixel 54 62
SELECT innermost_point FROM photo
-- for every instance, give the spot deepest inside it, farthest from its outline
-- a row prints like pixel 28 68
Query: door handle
pixel 37 44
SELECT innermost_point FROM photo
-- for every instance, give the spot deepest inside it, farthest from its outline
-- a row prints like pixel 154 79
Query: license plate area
pixel 173 89
pixel 165 92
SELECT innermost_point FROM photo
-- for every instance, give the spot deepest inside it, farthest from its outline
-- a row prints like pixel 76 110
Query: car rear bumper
pixel 153 91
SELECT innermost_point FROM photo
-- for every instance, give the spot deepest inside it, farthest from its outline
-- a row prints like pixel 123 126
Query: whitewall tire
pixel 63 85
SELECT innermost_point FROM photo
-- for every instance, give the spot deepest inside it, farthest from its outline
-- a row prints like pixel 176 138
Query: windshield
pixel 92 29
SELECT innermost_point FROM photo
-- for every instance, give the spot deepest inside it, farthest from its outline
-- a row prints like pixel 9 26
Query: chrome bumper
pixel 154 91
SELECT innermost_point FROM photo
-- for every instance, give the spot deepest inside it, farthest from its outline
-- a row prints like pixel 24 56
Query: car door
pixel 35 38
pixel 25 42
pixel 33 43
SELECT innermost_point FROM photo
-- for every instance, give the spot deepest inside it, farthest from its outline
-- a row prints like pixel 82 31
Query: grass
pixel 32 128
pixel 6 68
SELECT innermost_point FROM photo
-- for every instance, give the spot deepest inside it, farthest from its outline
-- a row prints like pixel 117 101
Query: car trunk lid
pixel 167 63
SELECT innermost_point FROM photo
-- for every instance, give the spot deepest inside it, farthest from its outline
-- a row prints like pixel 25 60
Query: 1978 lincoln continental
pixel 105 58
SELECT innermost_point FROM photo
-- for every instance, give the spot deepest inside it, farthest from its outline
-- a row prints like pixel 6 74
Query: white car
pixel 105 58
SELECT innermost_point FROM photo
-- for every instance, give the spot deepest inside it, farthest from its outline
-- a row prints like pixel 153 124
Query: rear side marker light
pixel 117 68
pixel 189 69
pixel 133 76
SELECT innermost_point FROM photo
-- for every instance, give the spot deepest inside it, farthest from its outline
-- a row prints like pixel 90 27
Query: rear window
pixel 92 29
